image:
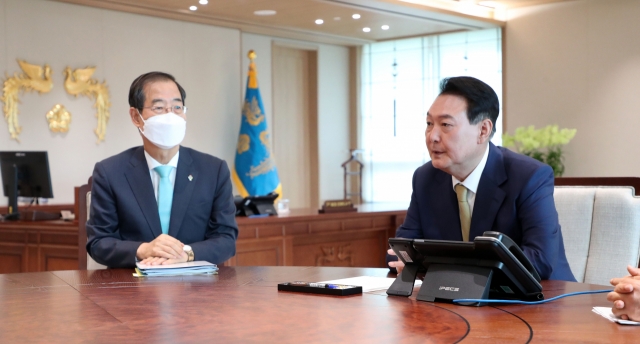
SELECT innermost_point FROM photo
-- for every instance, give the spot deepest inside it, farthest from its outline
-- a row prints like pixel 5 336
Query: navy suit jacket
pixel 514 196
pixel 124 211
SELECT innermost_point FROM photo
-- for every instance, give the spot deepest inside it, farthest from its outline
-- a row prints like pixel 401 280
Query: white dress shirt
pixel 155 177
pixel 472 181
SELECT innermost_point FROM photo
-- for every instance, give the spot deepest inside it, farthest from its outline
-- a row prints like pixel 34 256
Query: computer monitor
pixel 490 267
pixel 24 174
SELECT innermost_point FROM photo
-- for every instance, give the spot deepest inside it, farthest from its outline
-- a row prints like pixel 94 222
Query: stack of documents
pixel 608 314
pixel 181 269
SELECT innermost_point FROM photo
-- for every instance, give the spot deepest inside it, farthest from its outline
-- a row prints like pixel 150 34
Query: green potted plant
pixel 543 144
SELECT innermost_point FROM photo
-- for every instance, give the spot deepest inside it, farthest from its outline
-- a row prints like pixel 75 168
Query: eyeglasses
pixel 178 109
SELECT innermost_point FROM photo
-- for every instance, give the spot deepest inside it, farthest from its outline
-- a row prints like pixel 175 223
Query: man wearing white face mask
pixel 160 203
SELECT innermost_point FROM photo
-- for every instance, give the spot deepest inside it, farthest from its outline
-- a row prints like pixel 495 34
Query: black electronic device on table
pixel 320 288
pixel 490 267
pixel 256 205
pixel 26 174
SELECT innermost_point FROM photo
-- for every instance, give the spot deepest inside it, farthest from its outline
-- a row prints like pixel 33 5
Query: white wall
pixel 209 62
pixel 333 119
pixel 333 103
pixel 577 64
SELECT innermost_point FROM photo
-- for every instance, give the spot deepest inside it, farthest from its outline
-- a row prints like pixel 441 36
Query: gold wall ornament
pixel 59 119
pixel 34 78
pixel 79 82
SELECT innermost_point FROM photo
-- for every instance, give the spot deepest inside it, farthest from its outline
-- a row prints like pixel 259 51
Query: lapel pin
pixel 190 177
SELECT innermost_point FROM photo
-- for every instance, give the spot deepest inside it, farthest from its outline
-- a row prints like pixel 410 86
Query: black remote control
pixel 320 288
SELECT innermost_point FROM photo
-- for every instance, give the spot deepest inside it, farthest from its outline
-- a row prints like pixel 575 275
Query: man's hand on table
pixel 626 295
pixel 164 249
pixel 399 265
pixel 164 261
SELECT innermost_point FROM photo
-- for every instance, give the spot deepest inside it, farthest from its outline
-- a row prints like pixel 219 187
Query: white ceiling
pixel 296 18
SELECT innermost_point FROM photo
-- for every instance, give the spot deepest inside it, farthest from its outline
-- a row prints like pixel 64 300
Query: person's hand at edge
pixel 399 265
pixel 633 273
pixel 626 295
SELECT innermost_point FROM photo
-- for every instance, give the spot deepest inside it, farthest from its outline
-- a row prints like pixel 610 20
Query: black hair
pixel 136 91
pixel 482 100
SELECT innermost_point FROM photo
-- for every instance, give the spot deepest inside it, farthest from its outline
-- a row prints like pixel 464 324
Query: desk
pixel 301 237
pixel 31 246
pixel 305 238
pixel 242 304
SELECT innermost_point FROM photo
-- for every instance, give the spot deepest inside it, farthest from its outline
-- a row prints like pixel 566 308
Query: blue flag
pixel 255 172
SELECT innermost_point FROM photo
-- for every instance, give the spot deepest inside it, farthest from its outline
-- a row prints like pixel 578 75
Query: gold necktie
pixel 465 212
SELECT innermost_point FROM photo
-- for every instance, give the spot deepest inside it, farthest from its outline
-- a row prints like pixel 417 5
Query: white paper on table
pixel 369 283
pixel 189 268
pixel 196 264
pixel 606 313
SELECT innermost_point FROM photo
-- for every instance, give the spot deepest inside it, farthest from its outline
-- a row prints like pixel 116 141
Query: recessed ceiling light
pixel 355 16
pixel 319 21
pixel 492 4
pixel 193 8
pixel 265 13
pixel 336 18
pixel 366 29
pixel 385 27
pixel 203 2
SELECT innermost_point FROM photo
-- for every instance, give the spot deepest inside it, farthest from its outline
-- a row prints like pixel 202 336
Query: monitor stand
pixel 12 194
pixel 10 217
pixel 35 215
pixel 31 215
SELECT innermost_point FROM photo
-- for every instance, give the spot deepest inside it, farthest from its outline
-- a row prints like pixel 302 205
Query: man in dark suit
pixel 160 203
pixel 471 186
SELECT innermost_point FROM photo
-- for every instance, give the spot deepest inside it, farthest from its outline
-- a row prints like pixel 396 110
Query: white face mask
pixel 165 131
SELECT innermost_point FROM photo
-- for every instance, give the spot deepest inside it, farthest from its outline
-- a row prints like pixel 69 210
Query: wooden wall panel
pixel 269 252
pixel 296 228
pixel 11 257
pixel 52 258
pixel 248 233
pixel 271 231
pixel 350 249
pixel 358 224
pixel 38 246
pixel 325 226
pixel 58 263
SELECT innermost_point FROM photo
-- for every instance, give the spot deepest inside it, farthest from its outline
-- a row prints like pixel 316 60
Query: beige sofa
pixel 601 230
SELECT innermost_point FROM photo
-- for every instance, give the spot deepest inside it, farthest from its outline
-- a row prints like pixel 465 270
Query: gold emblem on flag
pixel 264 138
pixel 252 112
pixel 266 165
pixel 243 143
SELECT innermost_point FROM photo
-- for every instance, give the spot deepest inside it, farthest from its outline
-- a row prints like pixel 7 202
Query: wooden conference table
pixel 242 304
